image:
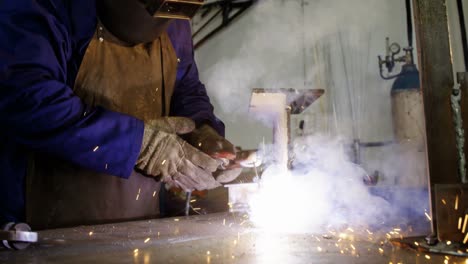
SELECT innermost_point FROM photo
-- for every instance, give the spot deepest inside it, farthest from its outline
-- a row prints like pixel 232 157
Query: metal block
pixel 451 202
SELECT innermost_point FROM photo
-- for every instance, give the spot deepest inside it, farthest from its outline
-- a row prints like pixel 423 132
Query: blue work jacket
pixel 42 44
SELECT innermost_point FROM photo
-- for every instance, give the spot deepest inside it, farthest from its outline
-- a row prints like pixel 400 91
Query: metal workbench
pixel 215 238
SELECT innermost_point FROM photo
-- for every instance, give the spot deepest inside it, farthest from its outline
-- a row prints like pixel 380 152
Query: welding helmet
pixel 141 21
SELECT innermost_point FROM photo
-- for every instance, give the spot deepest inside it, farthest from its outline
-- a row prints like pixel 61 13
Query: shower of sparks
pixel 95 148
pixel 147 240
pixel 456 202
pixel 428 216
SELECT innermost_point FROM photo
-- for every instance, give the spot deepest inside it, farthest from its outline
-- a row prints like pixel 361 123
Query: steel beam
pixel 436 74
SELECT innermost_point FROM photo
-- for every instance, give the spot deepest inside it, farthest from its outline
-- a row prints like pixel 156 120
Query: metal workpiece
pixel 216 238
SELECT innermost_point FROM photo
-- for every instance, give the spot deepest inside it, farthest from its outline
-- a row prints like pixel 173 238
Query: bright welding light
pixel 284 201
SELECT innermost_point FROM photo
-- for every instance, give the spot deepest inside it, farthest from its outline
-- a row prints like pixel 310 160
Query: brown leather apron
pixel 122 79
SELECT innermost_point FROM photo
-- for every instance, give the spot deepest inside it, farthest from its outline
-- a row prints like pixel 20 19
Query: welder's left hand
pixel 210 142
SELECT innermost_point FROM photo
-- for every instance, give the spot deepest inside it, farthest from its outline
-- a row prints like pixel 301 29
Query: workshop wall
pixel 306 44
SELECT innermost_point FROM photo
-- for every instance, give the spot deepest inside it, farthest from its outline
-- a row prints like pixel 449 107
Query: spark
pixel 193 200
pixel 459 222
pixel 95 148
pixel 196 208
pixel 158 234
pixel 446 261
pixel 428 216
pixel 444 202
pixel 224 221
pixel 154 193
pixel 350 229
pixel 106 166
pixel 146 240
pixel 381 251
pixel 208 252
pixel 352 246
pixel 163 162
pixel 176 219
pixel 235 242
pixel 427 257
pixel 464 223
pixel 138 196
pixel 465 239
pixel 200 144
pixel 369 232
pixel 416 243
pixel 319 249
pixel 91 233
pixel 449 243
pixel 456 202
pixel 135 251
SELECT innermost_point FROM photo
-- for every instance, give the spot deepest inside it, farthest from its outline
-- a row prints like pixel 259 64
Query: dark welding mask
pixel 141 21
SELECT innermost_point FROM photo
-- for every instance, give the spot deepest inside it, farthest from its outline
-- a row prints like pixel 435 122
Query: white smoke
pixel 326 191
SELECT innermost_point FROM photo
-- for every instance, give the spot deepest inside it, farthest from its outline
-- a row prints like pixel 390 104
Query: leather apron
pixel 138 81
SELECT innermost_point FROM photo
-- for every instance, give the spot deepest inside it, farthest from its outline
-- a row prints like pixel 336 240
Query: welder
pixel 100 103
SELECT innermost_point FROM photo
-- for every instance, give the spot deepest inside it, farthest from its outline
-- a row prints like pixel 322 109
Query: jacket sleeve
pixel 190 98
pixel 40 111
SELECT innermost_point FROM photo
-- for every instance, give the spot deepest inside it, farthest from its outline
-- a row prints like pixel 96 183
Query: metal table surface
pixel 214 238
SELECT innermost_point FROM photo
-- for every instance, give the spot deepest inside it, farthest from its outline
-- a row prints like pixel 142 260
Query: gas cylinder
pixel 409 128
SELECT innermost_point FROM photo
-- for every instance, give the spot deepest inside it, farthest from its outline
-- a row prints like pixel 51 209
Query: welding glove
pixel 210 142
pixel 164 153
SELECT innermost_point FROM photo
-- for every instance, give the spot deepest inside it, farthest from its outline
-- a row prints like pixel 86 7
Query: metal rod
pixel 461 17
pixel 188 197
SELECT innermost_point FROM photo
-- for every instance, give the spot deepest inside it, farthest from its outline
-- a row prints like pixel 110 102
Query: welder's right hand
pixel 164 153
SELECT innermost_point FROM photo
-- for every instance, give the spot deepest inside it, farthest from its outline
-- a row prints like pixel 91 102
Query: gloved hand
pixel 164 153
pixel 210 142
